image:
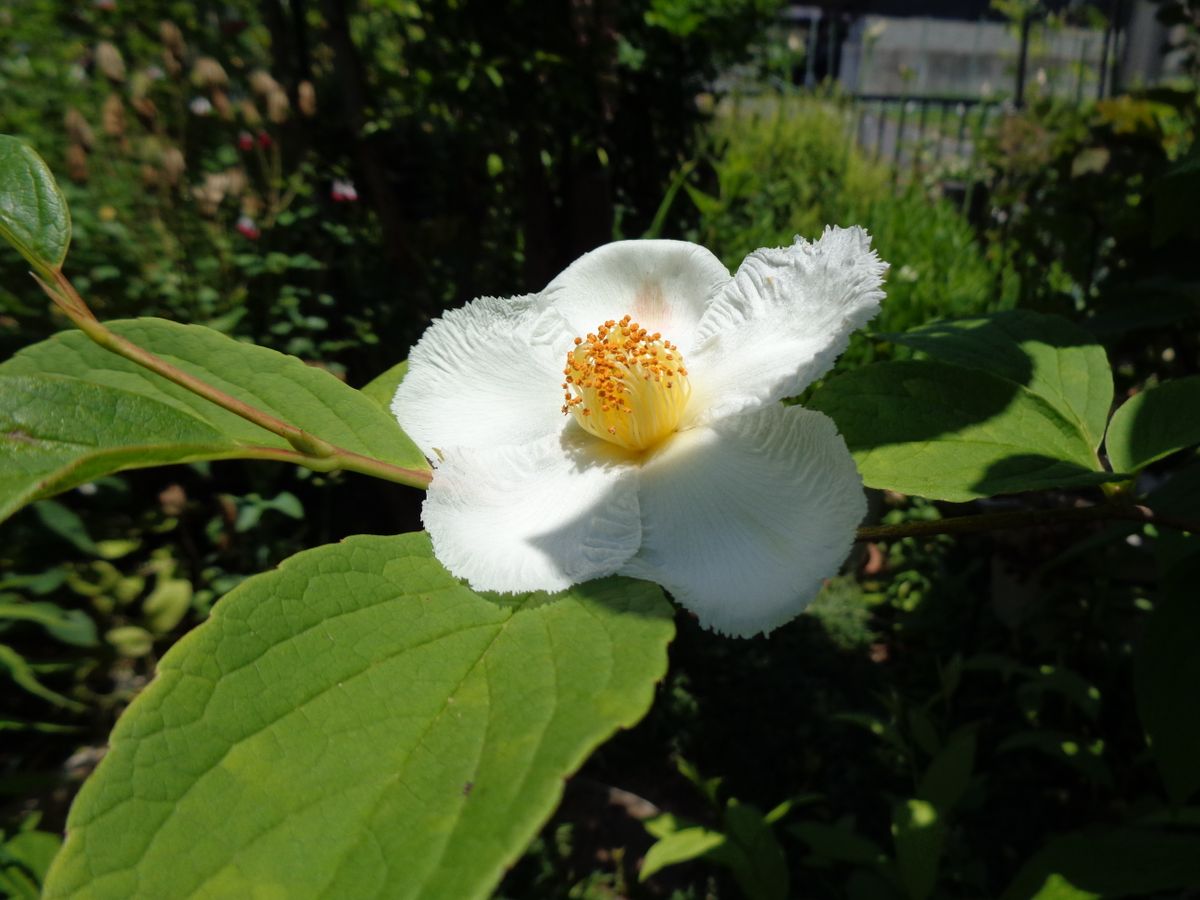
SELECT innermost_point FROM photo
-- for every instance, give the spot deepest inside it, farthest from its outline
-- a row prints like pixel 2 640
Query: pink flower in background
pixel 247 229
pixel 343 191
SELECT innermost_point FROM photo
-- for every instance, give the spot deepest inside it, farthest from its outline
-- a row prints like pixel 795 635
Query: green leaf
pixel 1155 423
pixel 67 524
pixel 22 674
pixel 838 843
pixel 1111 863
pixel 919 836
pixel 382 388
pixel 679 847
pixel 57 432
pixel 752 853
pixel 167 604
pixel 24 859
pixel 69 626
pixel 33 211
pixel 357 723
pixel 166 423
pixel 951 433
pixel 949 774
pixel 1166 672
pixel 1052 358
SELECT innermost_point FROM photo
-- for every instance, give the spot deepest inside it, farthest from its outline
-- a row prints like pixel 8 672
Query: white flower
pixel 626 420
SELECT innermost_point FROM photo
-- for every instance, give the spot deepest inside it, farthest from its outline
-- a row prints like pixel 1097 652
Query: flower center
pixel 626 385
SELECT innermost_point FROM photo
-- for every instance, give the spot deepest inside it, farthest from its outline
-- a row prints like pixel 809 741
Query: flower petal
pixel 782 321
pixel 538 516
pixel 743 520
pixel 664 285
pixel 484 375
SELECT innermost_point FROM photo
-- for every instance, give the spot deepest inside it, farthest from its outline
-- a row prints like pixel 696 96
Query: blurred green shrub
pixel 778 166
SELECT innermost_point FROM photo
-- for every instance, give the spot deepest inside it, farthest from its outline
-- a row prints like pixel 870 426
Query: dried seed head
pixel 262 83
pixel 78 129
pixel 173 165
pixel 112 116
pixel 278 106
pixel 171 37
pixel 208 73
pixel 110 62
pixel 77 164
pixel 306 99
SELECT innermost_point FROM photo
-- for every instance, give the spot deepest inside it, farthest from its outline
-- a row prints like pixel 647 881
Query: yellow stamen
pixel 626 385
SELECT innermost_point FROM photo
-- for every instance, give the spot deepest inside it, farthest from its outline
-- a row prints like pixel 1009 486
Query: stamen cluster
pixel 625 384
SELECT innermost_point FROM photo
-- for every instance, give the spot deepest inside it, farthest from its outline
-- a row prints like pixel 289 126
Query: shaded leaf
pixel 69 626
pixel 1166 673
pixel 1111 863
pixel 1154 424
pixel 358 723
pixel 919 836
pixel 23 676
pixel 838 844
pixel 952 433
pixel 1048 355
pixel 949 774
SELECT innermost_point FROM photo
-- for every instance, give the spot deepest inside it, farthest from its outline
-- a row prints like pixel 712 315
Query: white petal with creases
pixel 664 285
pixel 538 516
pixel 487 374
pixel 783 321
pixel 744 519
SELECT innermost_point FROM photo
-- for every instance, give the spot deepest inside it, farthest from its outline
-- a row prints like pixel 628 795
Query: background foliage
pixel 958 717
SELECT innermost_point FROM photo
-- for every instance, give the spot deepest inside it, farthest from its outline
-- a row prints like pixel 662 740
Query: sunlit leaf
pixel 33 212
pixel 358 723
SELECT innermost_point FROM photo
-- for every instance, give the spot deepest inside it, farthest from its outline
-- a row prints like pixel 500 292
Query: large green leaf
pixel 284 386
pixel 1166 673
pixel 128 416
pixel 1154 424
pixel 951 433
pixel 59 432
pixel 1052 358
pixel 33 213
pixel 359 724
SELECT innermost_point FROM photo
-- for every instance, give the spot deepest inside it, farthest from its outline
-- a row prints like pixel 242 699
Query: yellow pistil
pixel 625 385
